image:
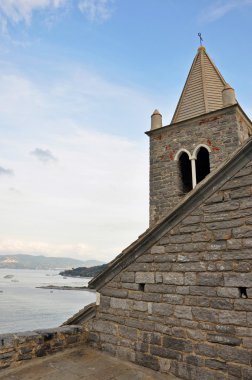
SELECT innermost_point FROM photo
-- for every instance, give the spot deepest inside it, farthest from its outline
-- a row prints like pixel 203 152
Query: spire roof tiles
pixel 202 92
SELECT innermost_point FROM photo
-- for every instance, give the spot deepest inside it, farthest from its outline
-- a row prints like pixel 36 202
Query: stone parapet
pixel 17 347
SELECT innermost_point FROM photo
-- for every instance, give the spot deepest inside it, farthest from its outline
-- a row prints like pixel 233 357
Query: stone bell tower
pixel 207 126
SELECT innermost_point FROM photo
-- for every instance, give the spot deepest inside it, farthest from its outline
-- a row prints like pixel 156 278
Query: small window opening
pixel 185 172
pixel 202 164
pixel 243 292
pixel 141 287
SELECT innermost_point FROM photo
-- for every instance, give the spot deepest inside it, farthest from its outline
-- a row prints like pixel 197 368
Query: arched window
pixel 202 164
pixel 185 172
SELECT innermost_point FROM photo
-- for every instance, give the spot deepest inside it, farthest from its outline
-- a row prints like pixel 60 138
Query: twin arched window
pixel 193 168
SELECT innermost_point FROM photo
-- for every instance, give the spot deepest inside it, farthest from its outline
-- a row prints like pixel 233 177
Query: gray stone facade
pixel 222 131
pixel 184 305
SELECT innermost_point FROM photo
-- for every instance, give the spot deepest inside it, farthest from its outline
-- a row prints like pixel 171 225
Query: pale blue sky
pixel 79 80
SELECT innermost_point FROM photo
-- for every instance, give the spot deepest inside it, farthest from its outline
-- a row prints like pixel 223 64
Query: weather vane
pixel 201 39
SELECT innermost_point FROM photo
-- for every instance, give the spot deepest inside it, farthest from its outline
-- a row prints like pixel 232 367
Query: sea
pixel 24 307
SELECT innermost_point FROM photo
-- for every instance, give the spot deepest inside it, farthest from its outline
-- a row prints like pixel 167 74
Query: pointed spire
pixel 203 89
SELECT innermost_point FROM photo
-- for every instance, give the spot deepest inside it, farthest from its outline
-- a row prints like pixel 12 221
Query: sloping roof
pixel 197 196
pixel 202 92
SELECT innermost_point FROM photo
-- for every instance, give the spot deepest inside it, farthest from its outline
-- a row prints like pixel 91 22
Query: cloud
pixel 97 194
pixel 96 9
pixel 21 10
pixel 16 11
pixel 43 155
pixel 222 7
pixel 15 191
pixel 4 171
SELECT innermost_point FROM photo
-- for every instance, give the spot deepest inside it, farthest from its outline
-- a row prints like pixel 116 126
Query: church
pixel 179 299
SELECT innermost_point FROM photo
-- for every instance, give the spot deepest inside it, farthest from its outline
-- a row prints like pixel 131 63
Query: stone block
pixel 169 353
pixel 224 339
pixel 145 259
pixel 238 279
pixel 162 309
pixel 216 364
pixel 7 340
pixel 224 224
pixel 7 355
pixel 243 304
pixel 206 350
pixel 190 228
pixel 184 312
pixel 177 344
pixel 196 334
pixel 197 301
pixel 145 278
pixel 155 338
pixel 140 306
pixel 180 239
pixel 247 343
pixel 157 288
pixel 206 291
pixel 118 303
pixel 222 234
pixel 190 278
pixel 173 278
pixel 107 338
pixel 222 304
pixel 243 266
pixel 174 299
pixel 111 292
pixel 184 290
pixel 152 297
pixel 203 314
pixel 128 277
pixel 157 249
pixel 224 266
pixel 105 327
pixel 233 317
pixel 127 332
pixel 147 361
pixel 165 258
pixel 165 365
pixel 221 207
pixel 190 267
pixel 234 354
pixel 233 244
pixel 234 370
pixel 210 279
pixel 249 319
pixel 158 277
pixel 191 220
pixel 242 232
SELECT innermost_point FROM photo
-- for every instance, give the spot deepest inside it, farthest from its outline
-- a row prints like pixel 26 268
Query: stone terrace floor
pixel 81 363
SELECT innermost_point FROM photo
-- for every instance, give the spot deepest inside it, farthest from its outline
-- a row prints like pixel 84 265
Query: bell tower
pixel 207 126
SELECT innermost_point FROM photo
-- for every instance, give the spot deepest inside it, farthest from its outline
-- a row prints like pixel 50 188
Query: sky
pixel 79 80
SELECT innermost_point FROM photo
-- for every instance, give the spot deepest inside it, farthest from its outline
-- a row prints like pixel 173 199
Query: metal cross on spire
pixel 201 39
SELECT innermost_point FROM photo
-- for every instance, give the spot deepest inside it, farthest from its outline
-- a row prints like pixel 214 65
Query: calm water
pixel 23 307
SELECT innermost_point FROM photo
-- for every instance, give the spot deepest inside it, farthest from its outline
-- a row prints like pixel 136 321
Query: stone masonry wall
pixel 218 130
pixel 15 348
pixel 185 306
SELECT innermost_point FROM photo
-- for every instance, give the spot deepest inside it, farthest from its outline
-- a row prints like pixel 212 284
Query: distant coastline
pixel 83 271
pixel 22 261
pixel 64 287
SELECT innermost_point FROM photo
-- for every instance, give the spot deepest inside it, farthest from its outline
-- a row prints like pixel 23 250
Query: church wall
pixel 218 130
pixel 180 308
